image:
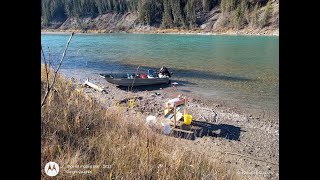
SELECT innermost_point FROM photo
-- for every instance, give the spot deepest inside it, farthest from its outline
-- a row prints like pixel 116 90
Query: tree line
pixel 167 13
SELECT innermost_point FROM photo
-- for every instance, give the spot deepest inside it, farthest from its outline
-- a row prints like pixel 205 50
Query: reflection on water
pixel 242 69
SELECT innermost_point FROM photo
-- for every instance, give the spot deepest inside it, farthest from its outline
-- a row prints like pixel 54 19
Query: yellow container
pixel 131 103
pixel 187 119
pixel 166 111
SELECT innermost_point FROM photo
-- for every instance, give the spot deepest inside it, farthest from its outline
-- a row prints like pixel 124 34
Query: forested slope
pixel 249 16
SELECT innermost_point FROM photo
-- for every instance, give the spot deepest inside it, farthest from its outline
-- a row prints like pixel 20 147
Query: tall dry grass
pixel 76 130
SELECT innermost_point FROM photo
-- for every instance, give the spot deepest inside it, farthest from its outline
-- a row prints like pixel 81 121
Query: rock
pixel 203 26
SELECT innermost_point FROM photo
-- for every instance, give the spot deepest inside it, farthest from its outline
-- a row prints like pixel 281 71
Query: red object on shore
pixel 143 76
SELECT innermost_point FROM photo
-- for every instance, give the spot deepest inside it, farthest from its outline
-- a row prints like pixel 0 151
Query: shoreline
pixel 269 114
pixel 199 99
pixel 245 32
pixel 258 137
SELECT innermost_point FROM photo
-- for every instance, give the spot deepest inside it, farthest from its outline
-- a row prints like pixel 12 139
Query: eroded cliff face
pixel 105 23
pixel 213 21
pixel 216 21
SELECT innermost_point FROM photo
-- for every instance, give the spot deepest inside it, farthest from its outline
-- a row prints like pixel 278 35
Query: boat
pixel 129 80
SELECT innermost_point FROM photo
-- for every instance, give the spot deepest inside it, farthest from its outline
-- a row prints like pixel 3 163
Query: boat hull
pixel 136 81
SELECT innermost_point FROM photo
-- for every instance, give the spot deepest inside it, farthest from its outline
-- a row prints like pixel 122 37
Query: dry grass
pixel 76 130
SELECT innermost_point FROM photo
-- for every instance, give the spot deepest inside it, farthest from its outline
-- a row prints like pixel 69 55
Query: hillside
pixel 162 16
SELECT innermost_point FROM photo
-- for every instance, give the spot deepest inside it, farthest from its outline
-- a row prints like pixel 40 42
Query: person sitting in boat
pixel 164 73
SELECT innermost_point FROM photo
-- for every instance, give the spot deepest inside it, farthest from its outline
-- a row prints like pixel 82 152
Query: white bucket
pixel 151 120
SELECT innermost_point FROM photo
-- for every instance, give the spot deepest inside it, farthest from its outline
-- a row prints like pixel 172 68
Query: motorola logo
pixel 51 169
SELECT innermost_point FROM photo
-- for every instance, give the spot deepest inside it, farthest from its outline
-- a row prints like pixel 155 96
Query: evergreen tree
pixel 190 13
pixel 167 21
pixel 206 5
pixel 223 6
pixel 168 13
pixel 178 20
pixel 255 16
pixel 245 11
pixel 236 17
pixel 267 14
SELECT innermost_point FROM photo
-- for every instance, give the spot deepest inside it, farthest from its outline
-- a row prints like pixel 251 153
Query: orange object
pixel 143 76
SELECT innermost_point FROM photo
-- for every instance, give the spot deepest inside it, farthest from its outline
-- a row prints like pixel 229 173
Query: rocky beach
pixel 247 141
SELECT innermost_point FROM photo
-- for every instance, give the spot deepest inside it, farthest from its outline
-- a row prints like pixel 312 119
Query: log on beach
pixel 90 84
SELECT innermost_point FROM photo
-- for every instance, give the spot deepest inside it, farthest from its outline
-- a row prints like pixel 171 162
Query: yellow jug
pixel 187 119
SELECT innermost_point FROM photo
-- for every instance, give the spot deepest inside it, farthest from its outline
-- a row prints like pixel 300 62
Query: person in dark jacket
pixel 164 72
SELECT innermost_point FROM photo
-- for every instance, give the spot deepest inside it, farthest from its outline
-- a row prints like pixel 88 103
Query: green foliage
pixel 245 10
pixel 52 9
pixel 236 17
pixel 168 13
pixel 206 4
pixel 167 21
pixel 267 14
pixel 178 20
pixel 228 5
pixel 133 5
pixel 240 16
pixel 255 16
pixel 150 11
pixel 231 5
pixel 190 13
pixel 209 4
pixel 223 6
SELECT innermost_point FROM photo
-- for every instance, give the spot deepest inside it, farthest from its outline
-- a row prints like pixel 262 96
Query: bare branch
pixel 56 72
pixel 46 67
pixel 134 78
pixel 49 60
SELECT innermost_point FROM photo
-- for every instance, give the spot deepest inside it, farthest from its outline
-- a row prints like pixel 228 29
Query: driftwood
pixel 90 84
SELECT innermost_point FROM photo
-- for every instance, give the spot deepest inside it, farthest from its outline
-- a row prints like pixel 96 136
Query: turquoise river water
pixel 237 69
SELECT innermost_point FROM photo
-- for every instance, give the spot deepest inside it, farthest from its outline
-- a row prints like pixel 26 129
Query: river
pixel 242 70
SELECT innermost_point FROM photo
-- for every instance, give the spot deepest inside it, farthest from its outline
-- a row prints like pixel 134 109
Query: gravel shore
pixel 247 141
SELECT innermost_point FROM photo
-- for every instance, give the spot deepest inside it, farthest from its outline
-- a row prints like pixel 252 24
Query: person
pixel 164 72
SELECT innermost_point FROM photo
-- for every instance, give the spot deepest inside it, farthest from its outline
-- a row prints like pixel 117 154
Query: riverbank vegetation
pixel 76 130
pixel 184 14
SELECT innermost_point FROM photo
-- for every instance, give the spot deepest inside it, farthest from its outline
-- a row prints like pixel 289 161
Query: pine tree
pixel 206 5
pixel 245 11
pixel 176 12
pixel 267 14
pixel 236 17
pixel 255 16
pixel 167 21
pixel 223 6
pixel 190 13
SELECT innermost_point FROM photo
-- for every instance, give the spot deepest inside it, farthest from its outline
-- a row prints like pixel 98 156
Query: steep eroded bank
pixel 215 21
